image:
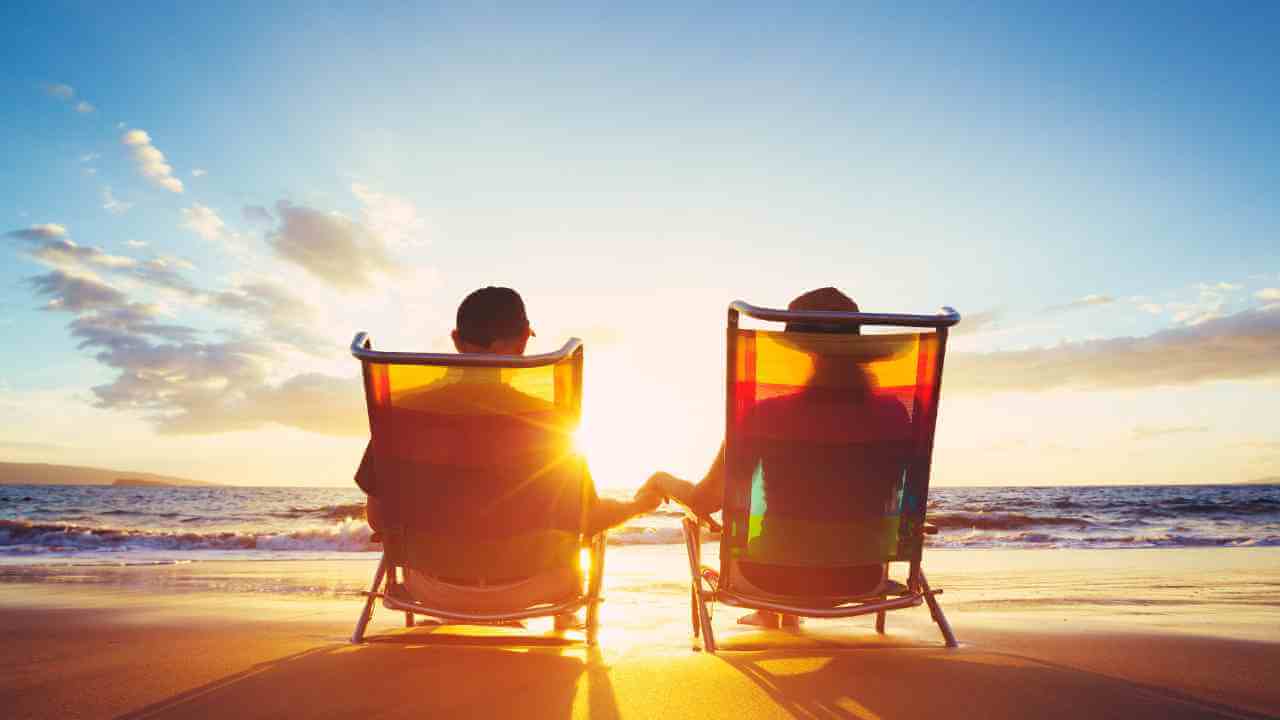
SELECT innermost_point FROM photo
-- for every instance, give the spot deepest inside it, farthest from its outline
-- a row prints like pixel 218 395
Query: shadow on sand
pixel 411 674
pixel 810 674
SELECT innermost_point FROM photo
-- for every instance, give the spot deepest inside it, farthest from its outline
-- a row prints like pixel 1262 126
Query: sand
pixel 1046 634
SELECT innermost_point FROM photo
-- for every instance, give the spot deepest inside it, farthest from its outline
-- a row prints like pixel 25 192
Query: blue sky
pixel 1060 176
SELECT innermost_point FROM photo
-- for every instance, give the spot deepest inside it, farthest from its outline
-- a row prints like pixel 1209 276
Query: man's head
pixel 492 320
pixel 824 299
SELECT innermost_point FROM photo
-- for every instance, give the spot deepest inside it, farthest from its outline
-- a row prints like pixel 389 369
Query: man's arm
pixel 365 480
pixel 609 513
pixel 704 498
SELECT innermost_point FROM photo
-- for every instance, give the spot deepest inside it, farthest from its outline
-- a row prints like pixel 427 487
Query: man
pixel 828 482
pixel 544 486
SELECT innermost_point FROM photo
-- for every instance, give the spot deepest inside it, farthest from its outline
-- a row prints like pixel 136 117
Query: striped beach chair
pixel 828 441
pixel 466 449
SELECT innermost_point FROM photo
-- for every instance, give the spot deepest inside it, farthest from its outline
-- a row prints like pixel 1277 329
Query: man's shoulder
pixel 497 397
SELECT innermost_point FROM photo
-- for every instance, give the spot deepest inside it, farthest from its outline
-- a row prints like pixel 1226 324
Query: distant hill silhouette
pixel 45 474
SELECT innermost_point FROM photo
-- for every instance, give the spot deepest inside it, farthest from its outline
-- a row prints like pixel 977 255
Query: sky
pixel 201 204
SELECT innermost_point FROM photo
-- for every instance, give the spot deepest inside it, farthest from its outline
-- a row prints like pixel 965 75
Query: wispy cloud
pixel 1081 303
pixel 1236 347
pixel 1143 432
pixel 44 231
pixel 75 293
pixel 258 214
pixel 60 91
pixel 113 205
pixel 1219 287
pixel 67 94
pixel 203 221
pixel 150 161
pixel 979 322
pixel 333 248
pixel 63 253
pixel 394 219
pixel 199 172
pixel 1268 294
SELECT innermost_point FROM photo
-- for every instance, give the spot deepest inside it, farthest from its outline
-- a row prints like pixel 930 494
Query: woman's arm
pixel 704 498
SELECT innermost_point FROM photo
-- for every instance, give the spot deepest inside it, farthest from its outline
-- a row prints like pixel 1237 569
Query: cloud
pixel 203 221
pixel 66 93
pixel 1084 302
pixel 136 243
pixel 979 322
pixel 49 245
pixel 1242 346
pixel 150 161
pixel 60 91
pixel 65 254
pixel 163 273
pixel 1268 294
pixel 1143 432
pixel 89 157
pixel 1152 308
pixel 333 248
pixel 392 218
pixel 1218 287
pixel 39 232
pixel 113 205
pixel 258 214
pixel 282 317
pixel 75 293
pixel 185 385
pixel 199 172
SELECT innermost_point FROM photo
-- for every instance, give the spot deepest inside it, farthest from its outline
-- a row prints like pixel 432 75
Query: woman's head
pixel 827 299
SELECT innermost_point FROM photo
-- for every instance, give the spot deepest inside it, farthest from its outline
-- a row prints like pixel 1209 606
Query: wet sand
pixel 1134 634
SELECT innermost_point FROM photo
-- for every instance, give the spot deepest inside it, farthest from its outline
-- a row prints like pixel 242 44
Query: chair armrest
pixel 375 537
pixel 929 529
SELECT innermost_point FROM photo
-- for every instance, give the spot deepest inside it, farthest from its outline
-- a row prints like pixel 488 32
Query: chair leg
pixel 701 618
pixel 408 620
pixel 936 611
pixel 704 618
pixel 367 613
pixel 593 622
pixel 595 585
pixel 693 609
pixel 880 622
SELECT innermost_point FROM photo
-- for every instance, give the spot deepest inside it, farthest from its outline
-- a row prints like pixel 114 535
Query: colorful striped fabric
pixel 476 465
pixel 827 446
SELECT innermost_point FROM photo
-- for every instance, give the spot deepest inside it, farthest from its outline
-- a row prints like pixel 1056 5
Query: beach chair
pixel 483 430
pixel 828 440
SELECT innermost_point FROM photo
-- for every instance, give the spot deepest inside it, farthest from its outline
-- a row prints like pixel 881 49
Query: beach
pixel 1147 633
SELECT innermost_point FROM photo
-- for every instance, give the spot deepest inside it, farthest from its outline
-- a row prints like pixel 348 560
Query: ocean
pixel 43 524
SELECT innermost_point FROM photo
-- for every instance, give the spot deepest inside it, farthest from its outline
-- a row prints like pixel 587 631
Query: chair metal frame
pixel 705 581
pixel 385 576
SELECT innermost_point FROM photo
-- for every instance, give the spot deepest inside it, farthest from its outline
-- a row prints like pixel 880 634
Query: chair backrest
pixel 474 460
pixel 828 439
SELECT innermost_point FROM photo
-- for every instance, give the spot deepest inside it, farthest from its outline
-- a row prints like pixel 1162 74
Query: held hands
pixel 646 499
pixel 653 493
pixel 669 487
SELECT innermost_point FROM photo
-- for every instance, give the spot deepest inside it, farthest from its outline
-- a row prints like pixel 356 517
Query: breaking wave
pixel 178 523
pixel 19 537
